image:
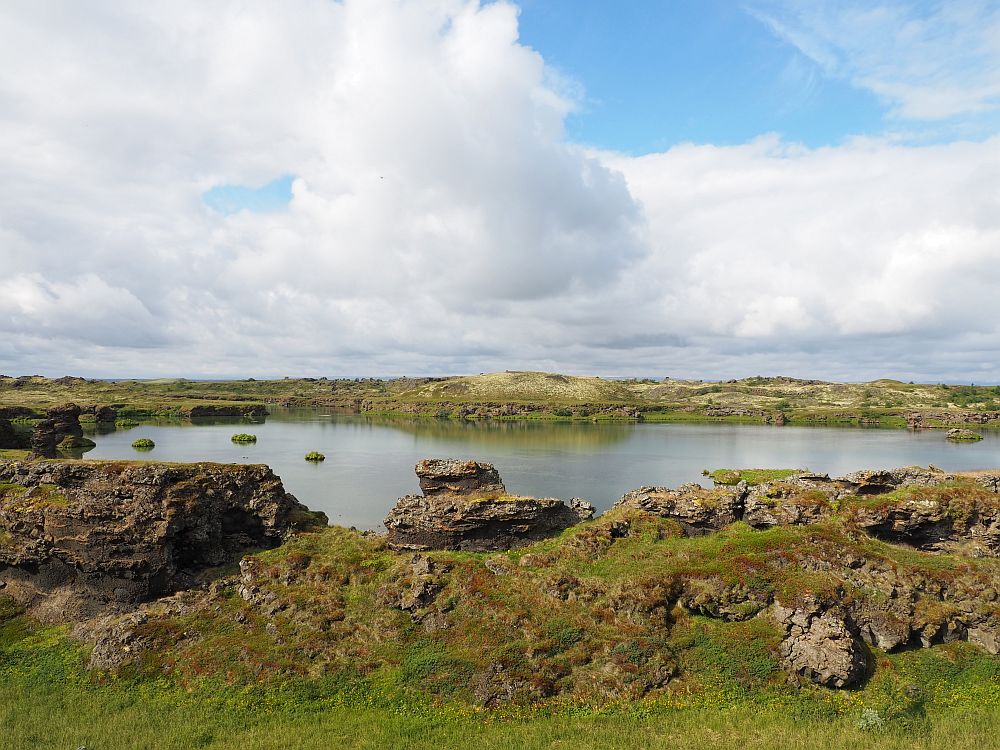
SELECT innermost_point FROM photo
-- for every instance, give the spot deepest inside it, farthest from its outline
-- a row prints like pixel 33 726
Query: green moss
pixel 750 476
pixel 243 438
pixel 315 456
pixel 143 444
pixel 72 441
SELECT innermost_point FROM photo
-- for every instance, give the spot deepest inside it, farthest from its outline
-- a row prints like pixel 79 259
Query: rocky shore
pixel 529 599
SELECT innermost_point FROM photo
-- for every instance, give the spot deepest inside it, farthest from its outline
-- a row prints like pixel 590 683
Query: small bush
pixel 143 444
pixel 315 456
pixel 244 439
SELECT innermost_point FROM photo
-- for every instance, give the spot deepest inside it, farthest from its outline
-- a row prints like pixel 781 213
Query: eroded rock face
pixel 935 526
pixel 880 481
pixel 820 646
pixel 465 507
pixel 697 509
pixel 80 538
pixel 61 429
pixel 105 414
pixel 443 476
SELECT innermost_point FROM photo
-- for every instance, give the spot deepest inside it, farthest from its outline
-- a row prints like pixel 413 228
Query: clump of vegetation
pixel 244 439
pixel 750 476
pixel 143 444
pixel 964 436
pixel 315 456
pixel 125 423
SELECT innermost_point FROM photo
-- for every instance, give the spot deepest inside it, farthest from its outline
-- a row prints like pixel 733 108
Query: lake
pixel 369 460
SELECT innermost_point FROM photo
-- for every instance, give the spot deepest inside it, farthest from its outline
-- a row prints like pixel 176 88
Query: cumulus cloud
pixel 439 220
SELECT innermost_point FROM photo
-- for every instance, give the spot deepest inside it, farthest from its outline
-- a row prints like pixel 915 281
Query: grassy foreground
pixel 48 701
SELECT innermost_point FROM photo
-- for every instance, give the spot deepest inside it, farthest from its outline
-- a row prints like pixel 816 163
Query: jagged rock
pixel 60 430
pixel 935 525
pixel 989 481
pixel 697 509
pixel 713 597
pixel 465 506
pixel 105 414
pixel 801 499
pixel 94 536
pixel 442 476
pixel 820 646
pixel 881 481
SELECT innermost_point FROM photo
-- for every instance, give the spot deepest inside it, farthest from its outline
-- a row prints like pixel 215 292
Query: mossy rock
pixel 753 477
pixel 143 444
pixel 72 441
pixel 964 436
pixel 244 439
pixel 315 456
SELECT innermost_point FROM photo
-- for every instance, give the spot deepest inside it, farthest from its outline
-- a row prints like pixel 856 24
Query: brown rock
pixel 61 428
pixel 697 509
pixel 820 646
pixel 107 535
pixel 450 476
pixel 465 506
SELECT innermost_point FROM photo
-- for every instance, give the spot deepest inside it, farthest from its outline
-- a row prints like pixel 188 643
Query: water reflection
pixel 370 459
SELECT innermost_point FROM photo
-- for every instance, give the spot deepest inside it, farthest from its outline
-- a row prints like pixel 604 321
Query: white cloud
pixel 439 220
pixel 929 61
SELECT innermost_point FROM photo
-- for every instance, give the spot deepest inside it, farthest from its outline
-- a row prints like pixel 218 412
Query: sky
pixel 384 187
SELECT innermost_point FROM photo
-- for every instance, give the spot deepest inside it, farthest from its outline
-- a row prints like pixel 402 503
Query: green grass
pixel 47 700
pixel 243 438
pixel 143 444
pixel 315 456
pixel 530 396
pixel 750 476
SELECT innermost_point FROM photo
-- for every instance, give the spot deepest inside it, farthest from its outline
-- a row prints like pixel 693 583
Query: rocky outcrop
pixel 466 507
pixel 61 430
pixel 962 523
pixel 444 476
pixel 820 646
pixel 958 435
pixel 77 538
pixel 105 414
pixel 940 512
pixel 695 508
pixel 880 481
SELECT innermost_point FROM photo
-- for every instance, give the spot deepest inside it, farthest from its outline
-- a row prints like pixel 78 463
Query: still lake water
pixel 369 460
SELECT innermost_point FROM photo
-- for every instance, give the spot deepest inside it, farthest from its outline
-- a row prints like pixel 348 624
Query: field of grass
pixel 532 395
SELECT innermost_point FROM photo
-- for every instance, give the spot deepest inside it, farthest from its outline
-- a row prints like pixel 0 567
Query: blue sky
pixel 658 73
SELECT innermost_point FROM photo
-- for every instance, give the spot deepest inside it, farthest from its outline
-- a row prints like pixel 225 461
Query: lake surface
pixel 369 461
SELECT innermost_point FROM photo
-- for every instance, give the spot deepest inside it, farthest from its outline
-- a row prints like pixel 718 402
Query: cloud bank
pixel 439 220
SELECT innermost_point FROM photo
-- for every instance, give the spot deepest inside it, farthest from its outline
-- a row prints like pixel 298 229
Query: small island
pixel 143 444
pixel 315 457
pixel 244 439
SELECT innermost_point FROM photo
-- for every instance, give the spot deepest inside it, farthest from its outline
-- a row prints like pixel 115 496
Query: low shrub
pixel 315 456
pixel 244 439
pixel 143 444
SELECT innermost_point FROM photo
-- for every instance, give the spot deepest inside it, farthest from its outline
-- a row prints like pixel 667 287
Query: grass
pixel 315 456
pixel 47 700
pixel 530 396
pixel 750 476
pixel 243 438
pixel 143 444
